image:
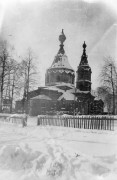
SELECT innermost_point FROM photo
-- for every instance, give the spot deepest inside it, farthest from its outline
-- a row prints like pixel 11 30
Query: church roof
pixel 42 96
pixel 65 86
pixel 54 88
pixel 67 96
pixel 61 60
pixel 75 90
pixel 60 87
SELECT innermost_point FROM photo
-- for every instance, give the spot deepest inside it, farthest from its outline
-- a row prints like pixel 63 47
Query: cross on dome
pixel 84 48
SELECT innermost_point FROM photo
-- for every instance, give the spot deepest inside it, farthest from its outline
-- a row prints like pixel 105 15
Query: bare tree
pixel 4 58
pixel 13 81
pixel 16 78
pixel 28 73
pixel 104 94
pixel 9 74
pixel 108 79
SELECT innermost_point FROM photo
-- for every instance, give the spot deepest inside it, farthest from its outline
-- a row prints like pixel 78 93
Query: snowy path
pixel 94 152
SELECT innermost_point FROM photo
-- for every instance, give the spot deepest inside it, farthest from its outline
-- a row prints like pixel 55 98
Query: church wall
pixel 67 106
pixel 52 78
pixel 83 86
pixel 38 106
pixel 84 74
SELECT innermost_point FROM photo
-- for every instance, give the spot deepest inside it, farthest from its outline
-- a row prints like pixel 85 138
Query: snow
pixel 56 153
pixel 61 61
pixel 42 96
pixel 75 90
pixel 84 80
pixel 97 98
pixel 67 96
pixel 65 84
pixel 17 115
pixel 54 88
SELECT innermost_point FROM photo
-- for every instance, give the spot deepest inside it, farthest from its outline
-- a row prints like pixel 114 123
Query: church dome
pixel 61 61
pixel 60 70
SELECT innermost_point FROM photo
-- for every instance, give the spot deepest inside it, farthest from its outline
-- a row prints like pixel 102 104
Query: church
pixel 61 95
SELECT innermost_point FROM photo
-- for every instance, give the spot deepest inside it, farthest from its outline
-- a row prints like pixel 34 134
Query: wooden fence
pixel 4 117
pixel 85 122
pixel 13 119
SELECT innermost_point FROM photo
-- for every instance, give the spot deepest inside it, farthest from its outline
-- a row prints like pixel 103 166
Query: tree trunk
pixel 12 98
pixel 2 82
pixel 113 91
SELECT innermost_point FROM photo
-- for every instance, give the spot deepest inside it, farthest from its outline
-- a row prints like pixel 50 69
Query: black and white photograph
pixel 58 89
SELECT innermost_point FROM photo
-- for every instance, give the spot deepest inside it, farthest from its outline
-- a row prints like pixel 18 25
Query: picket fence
pixel 12 119
pixel 4 117
pixel 85 122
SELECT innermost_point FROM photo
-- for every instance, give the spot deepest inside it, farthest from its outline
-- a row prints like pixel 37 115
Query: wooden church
pixel 60 94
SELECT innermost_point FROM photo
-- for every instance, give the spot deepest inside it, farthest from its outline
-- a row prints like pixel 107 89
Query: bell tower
pixel 83 81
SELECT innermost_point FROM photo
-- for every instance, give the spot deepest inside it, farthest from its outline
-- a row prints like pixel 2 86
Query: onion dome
pixel 60 70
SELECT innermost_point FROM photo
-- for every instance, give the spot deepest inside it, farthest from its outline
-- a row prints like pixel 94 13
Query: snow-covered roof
pixel 86 92
pixel 60 84
pixel 75 90
pixel 67 96
pixel 42 96
pixel 61 70
pixel 61 61
pixel 83 80
pixel 53 88
pixel 86 65
pixel 97 98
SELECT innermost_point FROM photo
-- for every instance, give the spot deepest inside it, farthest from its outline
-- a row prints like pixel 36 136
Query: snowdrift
pixel 22 163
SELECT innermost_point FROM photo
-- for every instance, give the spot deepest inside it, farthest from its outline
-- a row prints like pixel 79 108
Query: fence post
pixel 112 123
pixel 105 120
pixel 107 123
pixel 74 121
pixel 38 121
pixel 88 122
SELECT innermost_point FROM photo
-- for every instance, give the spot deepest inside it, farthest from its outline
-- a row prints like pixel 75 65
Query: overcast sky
pixel 38 23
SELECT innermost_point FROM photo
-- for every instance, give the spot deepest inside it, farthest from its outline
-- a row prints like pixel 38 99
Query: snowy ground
pixel 49 153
